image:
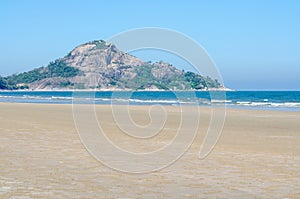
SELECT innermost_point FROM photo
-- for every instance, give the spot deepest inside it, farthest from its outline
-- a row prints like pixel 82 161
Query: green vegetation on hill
pixel 60 69
pixel 3 84
pixel 54 69
pixel 149 85
pixel 199 82
pixel 172 79
pixel 196 81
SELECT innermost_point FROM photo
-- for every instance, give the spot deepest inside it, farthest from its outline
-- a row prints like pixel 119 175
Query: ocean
pixel 260 100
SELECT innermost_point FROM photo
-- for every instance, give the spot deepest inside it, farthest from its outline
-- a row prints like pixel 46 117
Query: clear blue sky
pixel 255 43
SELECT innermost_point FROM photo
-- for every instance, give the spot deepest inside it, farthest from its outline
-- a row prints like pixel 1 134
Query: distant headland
pixel 102 66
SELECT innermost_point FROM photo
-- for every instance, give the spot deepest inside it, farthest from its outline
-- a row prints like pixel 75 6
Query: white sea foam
pixel 269 104
pixel 246 102
pixel 61 98
pixel 221 101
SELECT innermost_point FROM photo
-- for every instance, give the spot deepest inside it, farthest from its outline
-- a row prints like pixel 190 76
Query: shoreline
pixel 286 110
pixel 227 107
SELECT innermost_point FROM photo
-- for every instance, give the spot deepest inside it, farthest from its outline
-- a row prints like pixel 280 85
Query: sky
pixel 255 44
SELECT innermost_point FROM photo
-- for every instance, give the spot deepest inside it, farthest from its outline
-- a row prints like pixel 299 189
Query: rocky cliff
pixel 101 65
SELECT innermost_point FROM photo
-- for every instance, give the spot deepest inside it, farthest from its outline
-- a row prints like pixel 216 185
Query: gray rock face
pixel 101 65
pixel 93 56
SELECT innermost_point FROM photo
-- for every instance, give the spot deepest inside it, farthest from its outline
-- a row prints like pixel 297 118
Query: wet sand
pixel 41 156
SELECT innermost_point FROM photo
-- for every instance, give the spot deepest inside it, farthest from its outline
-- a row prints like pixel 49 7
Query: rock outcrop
pixel 101 65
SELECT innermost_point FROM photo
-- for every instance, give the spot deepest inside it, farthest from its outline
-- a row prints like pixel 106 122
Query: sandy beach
pixel 41 156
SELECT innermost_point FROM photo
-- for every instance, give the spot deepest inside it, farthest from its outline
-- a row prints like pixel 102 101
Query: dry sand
pixel 41 156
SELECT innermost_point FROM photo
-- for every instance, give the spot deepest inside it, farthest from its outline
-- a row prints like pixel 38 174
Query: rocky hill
pixel 100 65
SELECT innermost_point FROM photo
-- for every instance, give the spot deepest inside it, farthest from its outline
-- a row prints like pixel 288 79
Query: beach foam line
pixel 269 104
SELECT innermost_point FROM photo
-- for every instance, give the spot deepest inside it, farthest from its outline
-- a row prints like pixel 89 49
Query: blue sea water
pixel 266 100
